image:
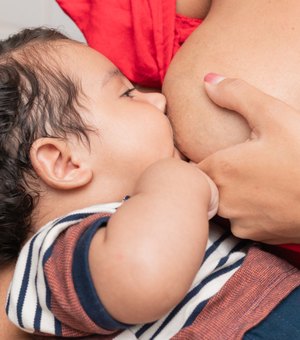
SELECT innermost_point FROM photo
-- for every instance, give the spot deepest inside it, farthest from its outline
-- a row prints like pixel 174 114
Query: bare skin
pixel 193 8
pixel 257 185
pixel 254 40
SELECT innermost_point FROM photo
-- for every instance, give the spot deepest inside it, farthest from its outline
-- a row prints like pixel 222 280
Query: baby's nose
pixel 158 100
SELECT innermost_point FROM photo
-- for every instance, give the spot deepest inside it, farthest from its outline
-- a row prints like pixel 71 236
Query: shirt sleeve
pixel 72 297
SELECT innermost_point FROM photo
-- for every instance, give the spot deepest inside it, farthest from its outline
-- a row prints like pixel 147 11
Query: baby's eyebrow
pixel 111 74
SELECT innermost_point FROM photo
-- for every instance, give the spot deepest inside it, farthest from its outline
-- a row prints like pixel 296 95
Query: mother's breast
pixel 256 40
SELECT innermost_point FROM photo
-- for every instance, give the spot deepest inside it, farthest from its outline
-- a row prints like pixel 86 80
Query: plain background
pixel 18 14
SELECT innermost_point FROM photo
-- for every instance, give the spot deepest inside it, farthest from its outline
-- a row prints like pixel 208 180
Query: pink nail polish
pixel 213 78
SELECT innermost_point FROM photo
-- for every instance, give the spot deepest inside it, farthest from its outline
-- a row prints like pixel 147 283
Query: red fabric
pixel 292 247
pixel 139 36
pixel 290 252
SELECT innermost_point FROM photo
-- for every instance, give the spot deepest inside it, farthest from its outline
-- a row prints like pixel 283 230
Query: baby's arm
pixel 144 262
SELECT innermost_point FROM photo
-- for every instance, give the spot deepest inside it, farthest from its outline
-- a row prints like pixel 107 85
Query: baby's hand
pixel 214 198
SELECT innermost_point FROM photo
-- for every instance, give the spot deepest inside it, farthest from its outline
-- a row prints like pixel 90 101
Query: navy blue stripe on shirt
pixel 187 298
pixel 48 291
pixel 143 329
pixel 38 310
pixel 37 318
pixel 69 218
pixel 199 308
pixel 83 283
pixel 195 313
pixel 58 328
pixel 235 249
pixel 74 217
pixel 215 245
pixel 25 281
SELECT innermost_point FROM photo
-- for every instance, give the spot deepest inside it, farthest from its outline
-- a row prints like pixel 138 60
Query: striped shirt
pixel 52 291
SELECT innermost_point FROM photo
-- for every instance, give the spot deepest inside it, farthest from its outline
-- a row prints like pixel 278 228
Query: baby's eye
pixel 128 93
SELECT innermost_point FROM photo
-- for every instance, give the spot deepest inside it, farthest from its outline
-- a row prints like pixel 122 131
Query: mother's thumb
pixel 237 95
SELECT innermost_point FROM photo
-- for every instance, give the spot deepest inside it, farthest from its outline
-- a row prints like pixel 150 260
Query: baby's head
pixel 73 132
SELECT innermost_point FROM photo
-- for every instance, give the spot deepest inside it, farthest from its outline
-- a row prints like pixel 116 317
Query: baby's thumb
pixel 214 198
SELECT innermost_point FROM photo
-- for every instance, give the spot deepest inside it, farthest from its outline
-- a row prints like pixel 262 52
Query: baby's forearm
pixel 154 244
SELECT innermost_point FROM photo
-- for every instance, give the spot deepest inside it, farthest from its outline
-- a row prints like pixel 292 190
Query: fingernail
pixel 213 78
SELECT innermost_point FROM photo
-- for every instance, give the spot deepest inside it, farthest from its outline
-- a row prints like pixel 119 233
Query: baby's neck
pixel 56 203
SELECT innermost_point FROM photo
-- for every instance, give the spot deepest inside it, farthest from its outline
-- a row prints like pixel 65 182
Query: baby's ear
pixel 59 166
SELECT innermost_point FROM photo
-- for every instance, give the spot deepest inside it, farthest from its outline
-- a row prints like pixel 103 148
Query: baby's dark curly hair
pixel 36 100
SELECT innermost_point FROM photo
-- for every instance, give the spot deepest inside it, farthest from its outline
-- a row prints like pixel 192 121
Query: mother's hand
pixel 258 180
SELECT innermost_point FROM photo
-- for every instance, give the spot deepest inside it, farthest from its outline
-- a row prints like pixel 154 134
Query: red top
pixel 290 252
pixel 140 37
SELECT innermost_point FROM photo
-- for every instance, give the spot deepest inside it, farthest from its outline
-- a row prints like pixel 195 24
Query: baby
pixel 118 222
